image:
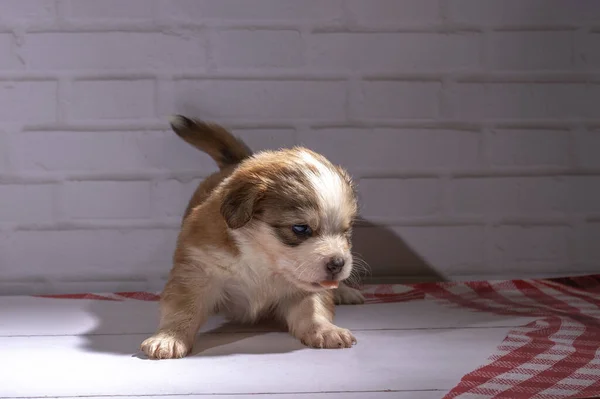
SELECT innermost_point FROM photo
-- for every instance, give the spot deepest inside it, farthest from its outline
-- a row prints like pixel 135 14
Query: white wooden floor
pixel 73 347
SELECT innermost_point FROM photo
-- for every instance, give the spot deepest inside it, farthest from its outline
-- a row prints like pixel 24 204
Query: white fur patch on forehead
pixel 330 188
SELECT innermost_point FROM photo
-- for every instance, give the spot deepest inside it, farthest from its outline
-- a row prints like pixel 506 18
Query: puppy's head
pixel 294 209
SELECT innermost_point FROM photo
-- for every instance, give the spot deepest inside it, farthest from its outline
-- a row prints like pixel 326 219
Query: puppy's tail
pixel 212 139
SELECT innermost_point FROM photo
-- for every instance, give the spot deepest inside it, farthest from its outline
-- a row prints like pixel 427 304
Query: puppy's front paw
pixel 165 346
pixel 328 337
pixel 348 296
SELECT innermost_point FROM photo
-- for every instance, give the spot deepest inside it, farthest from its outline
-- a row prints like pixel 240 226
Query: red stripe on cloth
pixel 509 361
pixel 548 378
pixel 395 297
pixel 140 296
pixel 592 391
pixel 384 289
pixel 584 342
pixel 439 291
pixel 487 290
pixel 584 296
pixel 555 305
pixel 471 383
pixel 584 350
pixel 381 294
pixel 78 296
pixel 534 293
pixel 589 283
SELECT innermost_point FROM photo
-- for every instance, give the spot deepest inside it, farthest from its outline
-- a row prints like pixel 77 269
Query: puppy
pixel 268 235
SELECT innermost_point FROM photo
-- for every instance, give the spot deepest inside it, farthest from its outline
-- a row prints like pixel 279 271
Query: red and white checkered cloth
pixel 554 357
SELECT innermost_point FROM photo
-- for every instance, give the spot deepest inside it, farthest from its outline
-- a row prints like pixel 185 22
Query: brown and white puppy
pixel 266 236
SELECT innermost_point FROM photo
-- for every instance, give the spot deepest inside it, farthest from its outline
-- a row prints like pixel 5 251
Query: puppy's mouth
pixel 327 284
pixel 313 286
pixel 318 286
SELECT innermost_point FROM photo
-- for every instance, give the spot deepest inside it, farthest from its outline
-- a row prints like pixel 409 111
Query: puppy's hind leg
pixel 184 307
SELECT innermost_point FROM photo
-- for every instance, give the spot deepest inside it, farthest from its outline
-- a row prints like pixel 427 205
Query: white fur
pixel 330 188
pixel 249 285
pixel 304 264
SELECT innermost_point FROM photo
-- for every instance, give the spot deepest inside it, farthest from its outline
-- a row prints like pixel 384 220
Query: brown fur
pixel 236 253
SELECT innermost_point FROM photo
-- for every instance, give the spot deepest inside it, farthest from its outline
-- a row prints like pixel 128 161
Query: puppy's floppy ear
pixel 239 201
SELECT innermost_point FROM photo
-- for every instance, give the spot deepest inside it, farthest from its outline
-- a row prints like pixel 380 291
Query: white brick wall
pixel 472 126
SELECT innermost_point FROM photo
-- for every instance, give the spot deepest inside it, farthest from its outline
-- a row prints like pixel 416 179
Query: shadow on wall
pixel 389 255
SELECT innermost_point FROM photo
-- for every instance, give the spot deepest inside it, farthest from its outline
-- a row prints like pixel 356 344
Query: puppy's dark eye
pixel 302 230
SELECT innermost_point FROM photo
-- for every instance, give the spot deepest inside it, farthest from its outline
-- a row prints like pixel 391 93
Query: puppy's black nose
pixel 334 266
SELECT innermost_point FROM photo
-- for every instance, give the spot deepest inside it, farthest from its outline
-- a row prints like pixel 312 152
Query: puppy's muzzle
pixel 335 265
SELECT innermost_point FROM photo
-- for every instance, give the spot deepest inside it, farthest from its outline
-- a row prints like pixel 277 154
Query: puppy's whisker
pixel 300 266
pixel 361 264
pixel 352 280
pixel 304 269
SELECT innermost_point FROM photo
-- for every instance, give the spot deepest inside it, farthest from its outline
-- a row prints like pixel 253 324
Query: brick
pixel 399 100
pixel 87 254
pixel 127 151
pixel 509 196
pixel 258 49
pixel 379 52
pixel 266 139
pixel 30 11
pixel 33 101
pixel 477 101
pixel 537 148
pixel 421 251
pixel 591 98
pixel 584 194
pixel 264 100
pixel 112 99
pixel 536 248
pixel 403 198
pixel 26 203
pixel 393 12
pixel 7 59
pixel 167 198
pixel 589 52
pixel 170 197
pixel 109 10
pixel 107 151
pixel 522 36
pixel 166 151
pixel 107 199
pixel 114 50
pixel 254 10
pixel 538 50
pixel 586 244
pixel 587 148
pixel 396 150
pixel 5 158
pixel 523 12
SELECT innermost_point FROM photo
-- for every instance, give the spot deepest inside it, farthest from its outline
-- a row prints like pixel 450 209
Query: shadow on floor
pixel 233 338
pixel 122 326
